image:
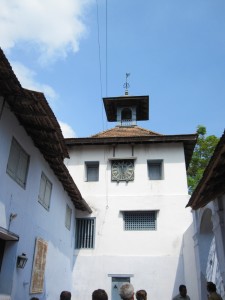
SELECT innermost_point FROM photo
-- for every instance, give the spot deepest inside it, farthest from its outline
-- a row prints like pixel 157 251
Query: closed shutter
pixel 13 159
pixel 22 168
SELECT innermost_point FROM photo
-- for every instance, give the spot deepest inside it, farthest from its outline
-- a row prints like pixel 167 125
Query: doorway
pixel 116 284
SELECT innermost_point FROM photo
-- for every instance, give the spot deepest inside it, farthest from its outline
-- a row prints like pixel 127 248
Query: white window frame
pixel 91 165
pixel 143 220
pixel 45 191
pixel 155 163
pixel 85 233
pixel 18 163
pixel 68 217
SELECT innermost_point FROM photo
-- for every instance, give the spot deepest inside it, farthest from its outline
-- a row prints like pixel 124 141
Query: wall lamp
pixel 21 261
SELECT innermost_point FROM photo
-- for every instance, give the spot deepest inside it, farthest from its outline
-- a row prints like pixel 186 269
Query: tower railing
pixel 127 122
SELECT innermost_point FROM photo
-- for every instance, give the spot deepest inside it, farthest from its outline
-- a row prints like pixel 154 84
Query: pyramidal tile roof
pixel 125 131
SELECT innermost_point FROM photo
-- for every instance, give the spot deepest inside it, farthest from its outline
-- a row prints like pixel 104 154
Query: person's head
pixel 65 295
pixel 183 290
pixel 141 295
pixel 34 298
pixel 127 291
pixel 99 295
pixel 211 287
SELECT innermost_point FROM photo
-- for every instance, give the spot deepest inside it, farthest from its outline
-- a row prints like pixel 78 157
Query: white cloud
pixel 27 79
pixel 54 27
pixel 67 131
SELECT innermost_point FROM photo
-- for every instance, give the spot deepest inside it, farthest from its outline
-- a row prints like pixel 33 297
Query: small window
pixel 85 230
pixel 92 170
pixel 18 163
pixel 155 169
pixel 139 220
pixel 45 191
pixel 68 217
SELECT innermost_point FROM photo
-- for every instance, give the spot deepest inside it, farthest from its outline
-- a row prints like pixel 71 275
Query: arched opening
pixel 209 264
pixel 205 238
pixel 126 114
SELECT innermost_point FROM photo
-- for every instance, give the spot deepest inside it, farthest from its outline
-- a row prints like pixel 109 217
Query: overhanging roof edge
pixel 8 235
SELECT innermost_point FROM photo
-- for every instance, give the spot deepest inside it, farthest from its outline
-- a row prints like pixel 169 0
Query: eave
pixel 140 102
pixel 35 115
pixel 211 185
pixel 188 140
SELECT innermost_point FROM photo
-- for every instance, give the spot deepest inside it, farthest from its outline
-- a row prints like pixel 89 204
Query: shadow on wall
pixel 186 268
pixel 179 278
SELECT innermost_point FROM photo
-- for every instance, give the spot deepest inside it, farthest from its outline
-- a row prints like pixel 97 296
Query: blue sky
pixel 174 51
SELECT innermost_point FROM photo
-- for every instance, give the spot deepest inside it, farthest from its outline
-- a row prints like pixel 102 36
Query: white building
pixel 135 183
pixel 38 197
pixel 208 204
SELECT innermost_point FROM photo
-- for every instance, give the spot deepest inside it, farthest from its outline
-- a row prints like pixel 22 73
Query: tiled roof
pixel 125 131
pixel 35 115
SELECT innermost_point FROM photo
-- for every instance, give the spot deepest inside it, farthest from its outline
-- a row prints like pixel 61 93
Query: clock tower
pixel 134 180
pixel 126 111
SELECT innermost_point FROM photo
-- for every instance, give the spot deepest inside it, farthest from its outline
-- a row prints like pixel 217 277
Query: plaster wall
pixel 154 258
pixel 190 264
pixel 145 272
pixel 174 174
pixel 32 220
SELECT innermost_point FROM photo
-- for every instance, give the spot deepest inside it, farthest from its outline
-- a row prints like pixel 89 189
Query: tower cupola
pixel 127 110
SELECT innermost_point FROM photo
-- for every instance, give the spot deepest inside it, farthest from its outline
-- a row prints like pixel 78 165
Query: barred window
pixel 139 220
pixel 85 231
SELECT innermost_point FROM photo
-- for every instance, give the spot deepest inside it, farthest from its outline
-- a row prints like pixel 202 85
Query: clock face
pixel 122 170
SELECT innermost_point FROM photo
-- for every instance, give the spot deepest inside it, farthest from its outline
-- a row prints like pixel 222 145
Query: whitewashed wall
pixel 153 258
pixel 33 220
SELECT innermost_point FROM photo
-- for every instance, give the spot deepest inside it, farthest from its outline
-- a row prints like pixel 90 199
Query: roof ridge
pixel 126 130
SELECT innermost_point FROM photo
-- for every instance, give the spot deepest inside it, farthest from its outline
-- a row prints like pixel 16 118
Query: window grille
pixel 155 169
pixel 18 163
pixel 140 220
pixel 45 191
pixel 85 230
pixel 92 170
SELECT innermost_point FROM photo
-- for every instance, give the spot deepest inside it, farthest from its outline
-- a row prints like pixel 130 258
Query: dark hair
pixel 211 287
pixel 99 295
pixel 141 295
pixel 34 298
pixel 65 295
pixel 181 287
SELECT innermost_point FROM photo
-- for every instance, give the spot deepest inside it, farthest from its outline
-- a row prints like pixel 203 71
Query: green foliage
pixel 202 153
